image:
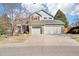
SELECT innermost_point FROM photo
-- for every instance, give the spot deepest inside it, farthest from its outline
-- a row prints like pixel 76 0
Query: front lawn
pixel 75 36
pixel 14 39
pixel 2 37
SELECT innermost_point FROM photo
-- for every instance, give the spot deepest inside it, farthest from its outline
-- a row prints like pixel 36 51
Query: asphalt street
pixel 40 51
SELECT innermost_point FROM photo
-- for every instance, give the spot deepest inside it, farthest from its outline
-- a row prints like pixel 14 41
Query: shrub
pixel 2 30
pixel 76 30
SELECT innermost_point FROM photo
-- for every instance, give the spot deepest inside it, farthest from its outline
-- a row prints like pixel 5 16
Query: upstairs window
pixel 50 17
pixel 45 17
pixel 35 18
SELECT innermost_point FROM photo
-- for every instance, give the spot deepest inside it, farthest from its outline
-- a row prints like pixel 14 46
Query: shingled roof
pixel 47 22
pixel 51 22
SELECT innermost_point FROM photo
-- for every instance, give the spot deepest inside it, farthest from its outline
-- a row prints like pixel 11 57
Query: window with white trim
pixel 45 17
pixel 50 17
pixel 35 18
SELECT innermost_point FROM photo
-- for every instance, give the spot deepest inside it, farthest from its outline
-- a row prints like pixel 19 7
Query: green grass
pixel 76 37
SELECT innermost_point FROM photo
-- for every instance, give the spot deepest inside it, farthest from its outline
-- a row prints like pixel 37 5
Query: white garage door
pixel 52 30
pixel 36 31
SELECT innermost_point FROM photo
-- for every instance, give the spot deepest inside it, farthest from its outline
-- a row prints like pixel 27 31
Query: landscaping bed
pixel 14 39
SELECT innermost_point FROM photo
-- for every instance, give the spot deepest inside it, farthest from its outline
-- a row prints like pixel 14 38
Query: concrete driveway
pixel 42 45
pixel 48 40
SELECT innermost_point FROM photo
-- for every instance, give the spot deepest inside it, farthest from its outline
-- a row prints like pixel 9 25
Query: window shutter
pixel 32 18
pixel 38 18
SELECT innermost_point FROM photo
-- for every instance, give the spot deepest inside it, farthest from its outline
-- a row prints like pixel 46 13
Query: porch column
pixel 30 29
pixel 42 29
pixel 21 29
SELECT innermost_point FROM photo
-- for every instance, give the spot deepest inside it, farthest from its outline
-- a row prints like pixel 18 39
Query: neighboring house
pixel 74 28
pixel 41 22
pixel 75 24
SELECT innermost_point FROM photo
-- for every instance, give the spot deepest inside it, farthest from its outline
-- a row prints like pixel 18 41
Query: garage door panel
pixel 36 31
pixel 52 30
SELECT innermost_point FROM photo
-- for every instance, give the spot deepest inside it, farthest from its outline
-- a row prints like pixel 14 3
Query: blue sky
pixel 1 9
pixel 71 10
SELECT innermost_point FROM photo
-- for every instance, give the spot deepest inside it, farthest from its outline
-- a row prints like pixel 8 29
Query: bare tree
pixel 15 13
pixel 8 9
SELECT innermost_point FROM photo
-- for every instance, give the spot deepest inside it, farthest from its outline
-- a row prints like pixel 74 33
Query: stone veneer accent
pixel 30 29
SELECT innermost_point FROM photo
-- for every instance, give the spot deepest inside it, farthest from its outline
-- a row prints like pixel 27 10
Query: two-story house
pixel 41 22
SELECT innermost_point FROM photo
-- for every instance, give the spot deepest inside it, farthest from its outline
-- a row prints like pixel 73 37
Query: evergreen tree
pixel 61 16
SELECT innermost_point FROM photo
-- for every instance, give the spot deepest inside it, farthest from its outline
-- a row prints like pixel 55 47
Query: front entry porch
pixel 24 29
pixel 28 29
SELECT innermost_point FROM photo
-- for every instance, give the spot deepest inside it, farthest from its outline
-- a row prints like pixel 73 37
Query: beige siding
pixel 45 15
pixel 34 15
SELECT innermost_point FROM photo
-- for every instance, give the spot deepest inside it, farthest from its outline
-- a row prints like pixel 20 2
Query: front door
pixel 25 29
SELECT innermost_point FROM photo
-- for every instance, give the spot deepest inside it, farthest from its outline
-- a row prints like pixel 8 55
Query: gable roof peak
pixel 45 12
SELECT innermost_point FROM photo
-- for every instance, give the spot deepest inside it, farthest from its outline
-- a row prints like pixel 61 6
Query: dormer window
pixel 45 17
